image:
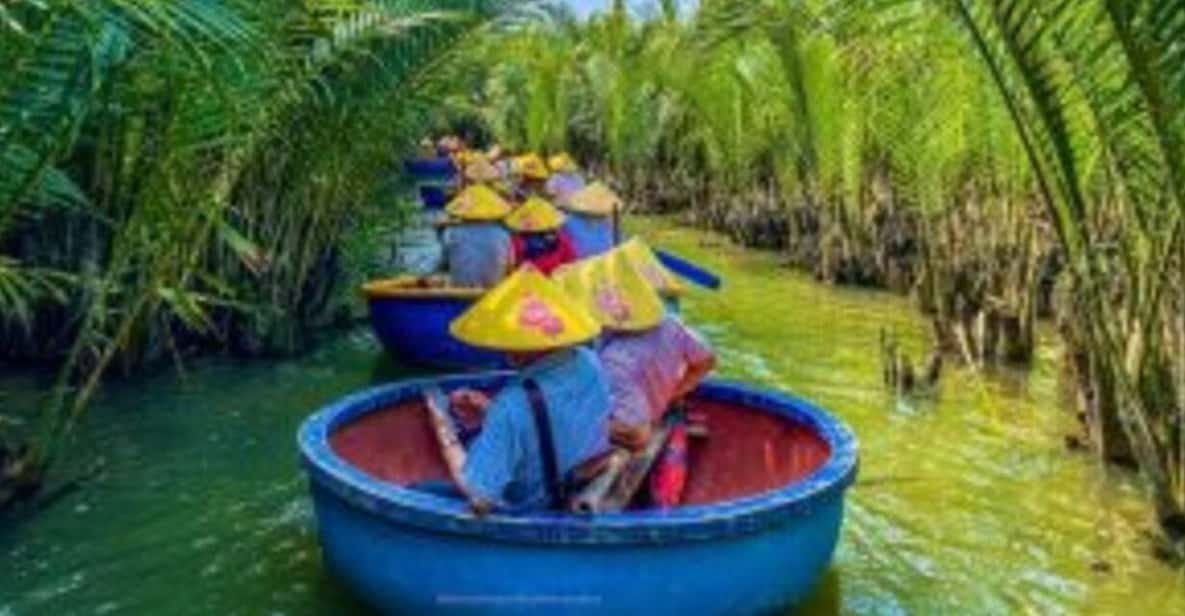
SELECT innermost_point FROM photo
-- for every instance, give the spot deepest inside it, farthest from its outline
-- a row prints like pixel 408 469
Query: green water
pixel 968 501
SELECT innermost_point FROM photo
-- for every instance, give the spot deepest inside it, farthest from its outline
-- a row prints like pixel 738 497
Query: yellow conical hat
pixel 596 199
pixel 644 259
pixel 480 169
pixel 614 291
pixel 478 202
pixel 534 216
pixel 526 312
pixel 467 157
pixel 561 163
pixel 531 166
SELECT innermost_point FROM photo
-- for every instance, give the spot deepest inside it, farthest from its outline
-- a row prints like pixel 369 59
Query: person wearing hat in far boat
pixel 531 173
pixel 538 236
pixel 550 419
pixel 651 358
pixel 449 145
pixel 477 169
pixel 565 177
pixel 590 219
pixel 477 247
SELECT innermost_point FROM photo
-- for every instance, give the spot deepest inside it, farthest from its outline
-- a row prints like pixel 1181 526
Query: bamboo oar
pixel 591 499
pixel 446 434
pixel 632 475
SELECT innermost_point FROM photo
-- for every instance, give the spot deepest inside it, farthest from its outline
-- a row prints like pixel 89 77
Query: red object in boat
pixel 670 474
pixel 562 253
pixel 749 451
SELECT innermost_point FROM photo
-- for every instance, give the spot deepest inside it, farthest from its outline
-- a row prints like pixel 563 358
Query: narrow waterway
pixel 967 501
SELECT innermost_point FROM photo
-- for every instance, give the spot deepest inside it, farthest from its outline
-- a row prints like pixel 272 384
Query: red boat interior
pixel 746 451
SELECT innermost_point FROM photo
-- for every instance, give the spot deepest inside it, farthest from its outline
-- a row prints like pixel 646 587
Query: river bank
pixel 968 500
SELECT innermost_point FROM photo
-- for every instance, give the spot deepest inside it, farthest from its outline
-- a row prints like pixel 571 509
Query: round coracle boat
pixel 758 526
pixel 434 196
pixel 440 167
pixel 411 316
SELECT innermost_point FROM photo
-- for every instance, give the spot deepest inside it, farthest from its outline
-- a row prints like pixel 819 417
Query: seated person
pixel 538 236
pixel 531 173
pixel 506 466
pixel 477 246
pixel 590 219
pixel 565 177
pixel 479 170
pixel 449 145
pixel 651 359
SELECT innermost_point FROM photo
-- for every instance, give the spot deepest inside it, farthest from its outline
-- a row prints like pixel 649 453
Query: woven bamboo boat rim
pixel 407 287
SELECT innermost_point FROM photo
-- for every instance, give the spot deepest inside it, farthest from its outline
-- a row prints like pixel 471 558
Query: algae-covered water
pixel 968 501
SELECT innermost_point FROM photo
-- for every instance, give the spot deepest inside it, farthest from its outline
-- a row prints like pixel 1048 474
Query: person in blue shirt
pixel 565 179
pixel 477 246
pixel 507 466
pixel 590 219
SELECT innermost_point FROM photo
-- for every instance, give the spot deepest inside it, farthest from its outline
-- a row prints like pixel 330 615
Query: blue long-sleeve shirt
pixel 590 235
pixel 505 464
pixel 479 254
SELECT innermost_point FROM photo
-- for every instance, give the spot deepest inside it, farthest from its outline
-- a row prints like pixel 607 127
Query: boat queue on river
pixel 600 467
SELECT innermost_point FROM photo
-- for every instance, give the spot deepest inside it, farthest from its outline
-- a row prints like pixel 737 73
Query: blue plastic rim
pixel 401 506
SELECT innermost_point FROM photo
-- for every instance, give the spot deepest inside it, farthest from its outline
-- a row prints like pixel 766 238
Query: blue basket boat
pixel 412 322
pixel 434 196
pixel 762 514
pixel 428 169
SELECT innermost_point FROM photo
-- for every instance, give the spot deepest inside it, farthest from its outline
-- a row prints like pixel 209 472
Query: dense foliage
pixel 193 173
pixel 974 152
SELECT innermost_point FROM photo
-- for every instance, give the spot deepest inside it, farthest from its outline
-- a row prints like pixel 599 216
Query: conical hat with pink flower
pixel 614 291
pixel 527 312
pixel 657 274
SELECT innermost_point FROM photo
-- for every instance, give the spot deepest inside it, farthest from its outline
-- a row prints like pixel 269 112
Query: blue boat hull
pixel 429 169
pixel 403 570
pixel 433 197
pixel 415 330
pixel 407 552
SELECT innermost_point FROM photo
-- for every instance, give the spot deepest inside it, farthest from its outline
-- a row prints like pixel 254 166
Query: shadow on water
pixel 826 599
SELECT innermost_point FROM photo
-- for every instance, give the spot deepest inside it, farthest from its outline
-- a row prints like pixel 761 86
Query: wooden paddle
pixel 625 481
pixel 446 433
pixel 592 498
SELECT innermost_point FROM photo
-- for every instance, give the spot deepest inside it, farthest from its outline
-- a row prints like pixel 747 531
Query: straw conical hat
pixel 526 312
pixel 596 199
pixel 467 157
pixel 531 166
pixel 478 202
pixel 561 163
pixel 647 263
pixel 534 216
pixel 480 169
pixel 614 291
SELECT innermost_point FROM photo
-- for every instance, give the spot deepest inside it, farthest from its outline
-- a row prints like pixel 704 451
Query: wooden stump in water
pixel 898 372
pixel 21 474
